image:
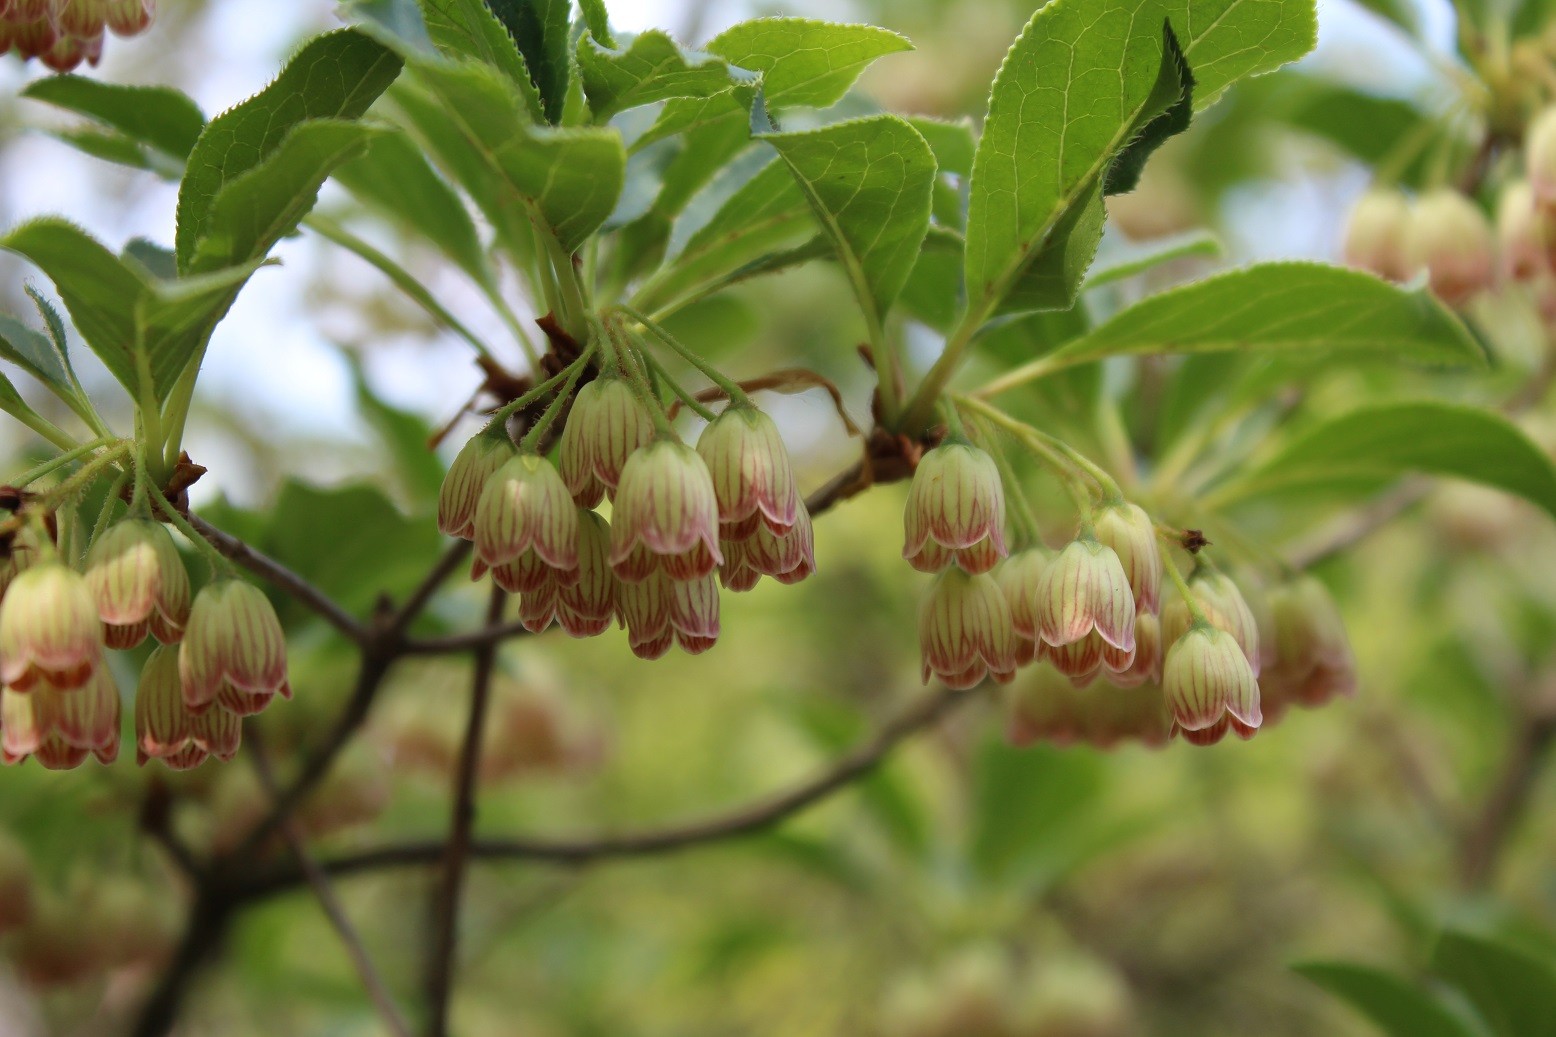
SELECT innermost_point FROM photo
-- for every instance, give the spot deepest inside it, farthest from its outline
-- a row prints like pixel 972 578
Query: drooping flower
pixel 666 515
pixel 753 478
pixel 234 652
pixel 1224 606
pixel 1310 655
pixel 1375 235
pixel 1117 714
pixel 526 523
pixel 1129 531
pixel 965 632
pixel 956 511
pixel 1146 665
pixel 606 425
pixel 659 612
pixel 167 730
pixel 1450 237
pixel 139 582
pixel 587 606
pixel 1540 158
pixel 128 17
pixel 787 558
pixel 1043 706
pixel 1083 590
pixel 1019 577
pixel 49 630
pixel 1206 677
pixel 60 727
pixel 1523 234
pixel 477 461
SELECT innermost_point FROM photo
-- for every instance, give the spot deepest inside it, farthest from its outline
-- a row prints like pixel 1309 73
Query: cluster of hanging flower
pixel 1446 234
pixel 215 662
pixel 682 520
pixel 1114 661
pixel 64 33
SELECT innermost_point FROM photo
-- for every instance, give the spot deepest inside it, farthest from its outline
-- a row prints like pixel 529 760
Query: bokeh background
pixel 968 888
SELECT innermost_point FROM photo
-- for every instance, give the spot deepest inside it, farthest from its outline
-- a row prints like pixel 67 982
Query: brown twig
pixel 445 908
pixel 470 640
pixel 1505 805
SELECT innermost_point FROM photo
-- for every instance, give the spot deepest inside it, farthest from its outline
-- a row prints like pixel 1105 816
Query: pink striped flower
pixel 139 582
pixel 49 630
pixel 956 511
pixel 1146 665
pixel 1086 589
pixel 1206 679
pixel 526 523
pixel 607 425
pixel 964 631
pixel 234 652
pixel 1224 606
pixel 166 729
pixel 1019 577
pixel 753 479
pixel 659 612
pixel 1310 659
pixel 787 558
pixel 666 515
pixel 477 461
pixel 1129 531
pixel 587 606
pixel 61 727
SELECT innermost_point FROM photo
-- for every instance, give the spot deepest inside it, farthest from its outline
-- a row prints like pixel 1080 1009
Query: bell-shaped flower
pixel 140 584
pixel 964 631
pixel 1019 577
pixel 1451 238
pixel 1375 235
pixel 753 478
pixel 527 524
pixel 1206 677
pixel 234 652
pixel 1085 589
pixel 166 729
pixel 956 511
pixel 1146 665
pixel 61 727
pixel 787 557
pixel 1043 705
pixel 1310 660
pixel 666 515
pixel 49 629
pixel 588 605
pixel 128 17
pixel 477 461
pixel 1224 606
pixel 659 612
pixel 606 425
pixel 1540 158
pixel 1129 531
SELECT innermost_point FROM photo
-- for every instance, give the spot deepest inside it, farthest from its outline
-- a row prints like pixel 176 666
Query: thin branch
pixel 417 602
pixel 465 642
pixel 377 989
pixel 1505 805
pixel 445 908
pixel 274 572
pixel 756 817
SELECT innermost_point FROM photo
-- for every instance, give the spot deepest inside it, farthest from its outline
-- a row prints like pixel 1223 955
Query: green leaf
pixel 952 142
pixel 868 182
pixel 1394 439
pixel 1514 991
pixel 469 29
pixel 395 181
pixel 728 111
pixel 1226 40
pixel 1401 12
pixel 643 69
pixel 255 210
pixel 931 293
pixel 1167 113
pixel 569 179
pixel 804 63
pixel 540 28
pixel 1137 259
pixel 154 117
pixel 1029 807
pixel 334 76
pixel 596 21
pixel 1052 279
pixel 1399 1008
pixel 1283 307
pixel 35 353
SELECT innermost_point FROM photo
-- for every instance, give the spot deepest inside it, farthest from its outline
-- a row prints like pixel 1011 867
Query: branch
pixel 445 907
pixel 471 640
pixel 274 572
pixel 377 990
pixel 445 567
pixel 765 813
pixel 1508 801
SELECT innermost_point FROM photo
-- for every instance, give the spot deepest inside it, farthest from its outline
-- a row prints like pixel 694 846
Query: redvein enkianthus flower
pixel 1225 608
pixel 61 726
pixel 1018 577
pixel 526 524
pixel 1146 666
pixel 139 582
pixel 659 612
pixel 49 630
pixel 1375 235
pixel 956 510
pixel 607 424
pixel 1451 238
pixel 1129 531
pixel 477 461
pixel 166 729
pixel 666 516
pixel 587 606
pixel 1086 590
pixel 788 558
pixel 1310 659
pixel 1207 680
pixel 753 478
pixel 234 652
pixel 964 631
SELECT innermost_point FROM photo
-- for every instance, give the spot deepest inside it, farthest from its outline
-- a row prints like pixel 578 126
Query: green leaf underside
pixel 394 179
pixel 469 29
pixel 157 117
pixel 1188 245
pixel 1284 307
pixel 952 142
pixel 540 28
pixel 1400 438
pixel 1052 279
pixel 35 353
pixel 937 265
pixel 804 63
pixel 868 182
pixel 1072 92
pixel 596 21
pixel 1513 991
pixel 645 68
pixel 1398 1007
pixel 334 76
pixel 568 179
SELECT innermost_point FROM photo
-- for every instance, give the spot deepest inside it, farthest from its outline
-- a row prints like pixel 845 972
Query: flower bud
pixel 1540 159
pixel 606 425
pixel 787 558
pixel 49 630
pixel 1522 233
pixel 61 726
pixel 1375 235
pixel 1019 577
pixel 1207 676
pixel 1043 705
pixel 129 17
pixel 234 652
pixel 1311 660
pixel 526 523
pixel 166 730
pixel 1129 531
pixel 587 607
pixel 956 511
pixel 964 631
pixel 659 612
pixel 1115 714
pixel 753 478
pixel 1146 665
pixel 477 461
pixel 1449 236
pixel 1086 589
pixel 139 582
pixel 666 515
pixel 1224 606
